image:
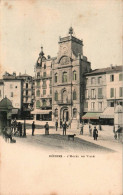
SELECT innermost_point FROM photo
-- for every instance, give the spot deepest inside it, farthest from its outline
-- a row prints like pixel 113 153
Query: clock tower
pixel 67 80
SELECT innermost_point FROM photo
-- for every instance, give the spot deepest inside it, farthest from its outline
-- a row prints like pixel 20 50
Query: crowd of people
pixel 17 129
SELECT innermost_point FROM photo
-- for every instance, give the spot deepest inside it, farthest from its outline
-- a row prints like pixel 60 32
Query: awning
pixel 14 111
pixel 38 111
pixel 108 113
pixel 91 115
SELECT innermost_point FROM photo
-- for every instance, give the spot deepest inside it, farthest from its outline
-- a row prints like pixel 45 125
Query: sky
pixel 26 25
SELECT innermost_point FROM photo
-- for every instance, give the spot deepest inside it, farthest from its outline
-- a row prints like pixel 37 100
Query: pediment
pixel 64 60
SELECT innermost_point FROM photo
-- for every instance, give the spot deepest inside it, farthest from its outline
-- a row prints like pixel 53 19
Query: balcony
pixel 67 102
pixel 46 106
pixel 100 97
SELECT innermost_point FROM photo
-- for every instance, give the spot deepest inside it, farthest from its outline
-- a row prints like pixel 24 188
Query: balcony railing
pixel 61 102
pixel 100 97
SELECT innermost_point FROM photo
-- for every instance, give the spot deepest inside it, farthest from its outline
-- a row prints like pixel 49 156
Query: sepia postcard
pixel 61 97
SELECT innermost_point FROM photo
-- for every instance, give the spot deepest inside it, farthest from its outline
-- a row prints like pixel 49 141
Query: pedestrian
pixel 90 131
pixel 95 133
pixel 100 127
pixel 64 127
pixel 33 128
pixel 81 128
pixel 119 131
pixel 56 124
pixel 115 135
pixel 46 128
pixel 114 129
pixel 60 124
pixel 20 129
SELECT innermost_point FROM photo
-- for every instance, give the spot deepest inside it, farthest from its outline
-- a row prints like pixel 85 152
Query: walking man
pixel 95 133
pixel 56 125
pixel 46 128
pixel 64 128
pixel 33 128
pixel 81 128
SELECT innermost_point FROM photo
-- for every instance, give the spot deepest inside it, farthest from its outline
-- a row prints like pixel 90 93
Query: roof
pixel 105 70
pixel 24 75
pixel 5 104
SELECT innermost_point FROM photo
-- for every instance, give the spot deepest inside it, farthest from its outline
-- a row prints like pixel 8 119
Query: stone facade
pixel 19 90
pixel 68 81
pixel 43 87
pixel 59 82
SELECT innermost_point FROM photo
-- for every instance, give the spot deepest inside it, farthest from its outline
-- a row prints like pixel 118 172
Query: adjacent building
pixel 103 91
pixel 19 90
pixel 43 88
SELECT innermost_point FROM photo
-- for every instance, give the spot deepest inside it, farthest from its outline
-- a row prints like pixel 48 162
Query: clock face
pixel 64 49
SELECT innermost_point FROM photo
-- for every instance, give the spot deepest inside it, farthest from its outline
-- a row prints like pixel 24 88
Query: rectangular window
pixel 26 85
pixel 112 104
pixel 99 80
pixel 44 84
pixel 50 82
pixel 93 80
pixel 86 81
pixel 92 105
pixel 44 74
pixel 44 103
pixel 121 91
pixel 86 93
pixel 121 77
pixel 38 83
pixel 112 92
pixel 86 105
pixel 11 94
pixel 111 78
pixel 64 77
pixel 50 91
pixel 99 92
pixel 93 95
pixel 100 105
pixel 44 91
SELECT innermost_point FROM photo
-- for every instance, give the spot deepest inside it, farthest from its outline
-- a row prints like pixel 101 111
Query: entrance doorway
pixel 64 114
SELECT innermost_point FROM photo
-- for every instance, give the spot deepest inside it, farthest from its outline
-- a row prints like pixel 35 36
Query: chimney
pixel 14 74
pixel 111 66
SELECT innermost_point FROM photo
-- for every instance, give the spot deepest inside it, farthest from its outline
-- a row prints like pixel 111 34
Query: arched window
pixel 37 104
pixel 64 96
pixel 64 77
pixel 74 95
pixel 38 93
pixel 56 78
pixel 44 102
pixel 74 112
pixel 38 74
pixel 56 96
pixel 74 75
